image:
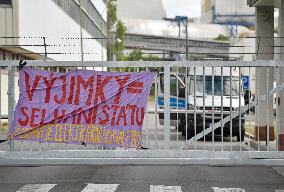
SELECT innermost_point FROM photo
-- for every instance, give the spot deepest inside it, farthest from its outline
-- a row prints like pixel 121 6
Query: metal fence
pixel 196 114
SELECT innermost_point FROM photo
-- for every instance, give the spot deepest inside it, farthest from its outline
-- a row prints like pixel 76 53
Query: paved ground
pixel 140 179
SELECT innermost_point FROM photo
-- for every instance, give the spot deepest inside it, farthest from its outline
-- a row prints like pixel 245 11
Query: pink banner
pixel 98 108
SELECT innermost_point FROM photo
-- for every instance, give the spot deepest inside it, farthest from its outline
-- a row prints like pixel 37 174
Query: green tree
pixel 222 38
pixel 120 39
pixel 135 55
pixel 116 30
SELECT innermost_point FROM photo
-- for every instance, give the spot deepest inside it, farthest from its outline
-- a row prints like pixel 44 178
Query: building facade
pixel 231 13
pixel 50 29
pixel 59 22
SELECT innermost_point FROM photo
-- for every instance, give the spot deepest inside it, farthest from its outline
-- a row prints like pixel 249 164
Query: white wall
pixel 4 91
pixel 45 18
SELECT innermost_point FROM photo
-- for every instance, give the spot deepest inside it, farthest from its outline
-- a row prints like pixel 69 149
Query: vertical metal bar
pixel 213 110
pixel 45 51
pixel 194 107
pixel 222 110
pixel 258 141
pixel 203 104
pixel 57 144
pixel 267 106
pixel 231 120
pixel 186 106
pixel 11 100
pixel 249 108
pixel 240 115
pixel 0 102
pixel 156 113
pixel 167 107
pixel 177 106
pixel 147 120
pixel 186 38
pixel 277 75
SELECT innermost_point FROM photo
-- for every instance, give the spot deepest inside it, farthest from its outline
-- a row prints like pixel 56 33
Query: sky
pixel 190 8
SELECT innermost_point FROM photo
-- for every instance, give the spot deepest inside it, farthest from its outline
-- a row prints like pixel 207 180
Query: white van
pixel 176 82
pixel 208 104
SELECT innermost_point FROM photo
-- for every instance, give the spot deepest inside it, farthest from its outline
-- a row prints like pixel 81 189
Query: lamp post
pixel 103 39
pixel 184 21
pixel 81 30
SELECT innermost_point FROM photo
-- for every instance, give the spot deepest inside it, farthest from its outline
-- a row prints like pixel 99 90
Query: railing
pixel 208 131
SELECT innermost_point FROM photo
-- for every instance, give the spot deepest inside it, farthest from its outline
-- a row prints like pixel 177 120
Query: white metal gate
pixel 167 143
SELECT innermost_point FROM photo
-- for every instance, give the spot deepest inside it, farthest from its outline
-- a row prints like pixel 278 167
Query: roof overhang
pixel 256 3
pixel 23 52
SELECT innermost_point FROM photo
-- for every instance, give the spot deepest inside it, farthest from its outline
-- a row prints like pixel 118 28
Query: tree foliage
pixel 116 31
pixel 137 55
pixel 120 35
pixel 222 38
pixel 111 12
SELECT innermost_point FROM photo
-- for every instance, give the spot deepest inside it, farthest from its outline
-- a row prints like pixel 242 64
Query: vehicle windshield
pixel 217 85
pixel 173 84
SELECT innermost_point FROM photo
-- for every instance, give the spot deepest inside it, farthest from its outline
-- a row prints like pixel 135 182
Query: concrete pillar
pixel 264 51
pixel 281 57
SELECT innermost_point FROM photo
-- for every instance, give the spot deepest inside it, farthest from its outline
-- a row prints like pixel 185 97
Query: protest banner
pixel 81 106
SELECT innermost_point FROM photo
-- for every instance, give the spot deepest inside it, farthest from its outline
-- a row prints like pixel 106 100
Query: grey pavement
pixel 140 178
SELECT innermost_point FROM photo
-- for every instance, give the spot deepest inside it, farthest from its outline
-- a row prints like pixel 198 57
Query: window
pixel 5 2
pixel 173 85
pixel 217 85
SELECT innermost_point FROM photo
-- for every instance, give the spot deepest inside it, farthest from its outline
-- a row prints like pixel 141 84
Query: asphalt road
pixel 141 179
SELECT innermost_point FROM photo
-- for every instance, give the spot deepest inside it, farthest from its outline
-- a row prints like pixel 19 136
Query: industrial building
pixel 231 13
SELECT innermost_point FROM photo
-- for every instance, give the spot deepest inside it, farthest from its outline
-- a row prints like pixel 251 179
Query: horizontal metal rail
pixel 167 157
pixel 149 64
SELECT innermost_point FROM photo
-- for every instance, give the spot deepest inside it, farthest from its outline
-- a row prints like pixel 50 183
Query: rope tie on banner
pixel 156 70
pixel 22 65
